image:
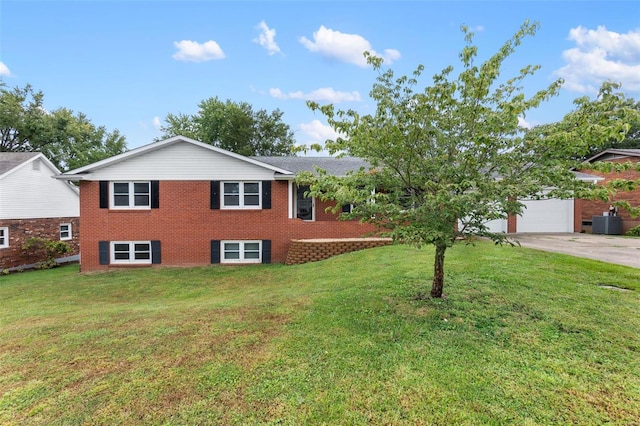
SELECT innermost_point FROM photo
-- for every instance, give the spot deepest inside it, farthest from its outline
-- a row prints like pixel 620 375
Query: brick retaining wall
pixel 303 251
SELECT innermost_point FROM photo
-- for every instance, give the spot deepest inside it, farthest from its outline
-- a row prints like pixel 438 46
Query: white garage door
pixel 546 216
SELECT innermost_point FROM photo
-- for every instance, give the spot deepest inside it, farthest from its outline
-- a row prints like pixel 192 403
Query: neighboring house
pixel 32 204
pixel 590 208
pixel 180 202
pixel 547 215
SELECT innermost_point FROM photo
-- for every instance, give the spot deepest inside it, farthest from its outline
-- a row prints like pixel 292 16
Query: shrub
pixel 634 232
pixel 47 250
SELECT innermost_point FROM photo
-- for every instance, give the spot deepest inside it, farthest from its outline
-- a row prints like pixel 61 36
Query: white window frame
pixel 241 195
pixel 241 250
pixel 131 194
pixel 68 231
pixel 132 260
pixel 4 237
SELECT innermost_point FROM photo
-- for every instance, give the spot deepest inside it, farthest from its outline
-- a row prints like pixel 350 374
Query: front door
pixel 304 205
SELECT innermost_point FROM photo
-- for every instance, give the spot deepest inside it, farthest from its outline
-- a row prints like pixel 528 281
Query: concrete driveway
pixel 607 248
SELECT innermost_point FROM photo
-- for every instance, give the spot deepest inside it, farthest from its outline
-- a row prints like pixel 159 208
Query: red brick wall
pixel 185 225
pixel 20 230
pixel 592 208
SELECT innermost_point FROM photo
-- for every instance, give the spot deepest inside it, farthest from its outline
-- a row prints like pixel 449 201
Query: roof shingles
pixel 11 160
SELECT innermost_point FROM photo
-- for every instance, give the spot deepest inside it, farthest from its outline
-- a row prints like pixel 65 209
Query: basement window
pixel 131 252
pixel 65 231
pixel 241 251
pixel 4 237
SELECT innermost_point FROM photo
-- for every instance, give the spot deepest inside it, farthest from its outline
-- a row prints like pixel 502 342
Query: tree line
pixel 70 139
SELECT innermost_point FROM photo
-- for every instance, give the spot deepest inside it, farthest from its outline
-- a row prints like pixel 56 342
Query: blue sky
pixel 127 64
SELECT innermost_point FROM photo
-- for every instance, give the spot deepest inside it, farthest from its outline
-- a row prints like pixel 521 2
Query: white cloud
pixel 524 123
pixel 324 94
pixel 266 39
pixel 192 51
pixel 4 70
pixel 345 47
pixel 157 123
pixel 601 55
pixel 316 132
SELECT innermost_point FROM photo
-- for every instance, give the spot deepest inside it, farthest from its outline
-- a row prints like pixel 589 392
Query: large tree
pixel 447 159
pixel 632 138
pixel 234 126
pixel 68 139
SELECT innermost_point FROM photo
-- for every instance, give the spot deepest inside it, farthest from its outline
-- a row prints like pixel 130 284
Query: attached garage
pixel 546 216
pixel 539 216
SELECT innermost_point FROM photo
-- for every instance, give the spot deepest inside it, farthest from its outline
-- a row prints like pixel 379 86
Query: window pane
pixel 252 255
pixel 252 246
pixel 232 255
pixel 252 188
pixel 142 256
pixel 141 188
pixel 231 246
pixel 141 247
pixel 121 200
pixel 232 188
pixel 121 247
pixel 120 188
pixel 121 256
pixel 231 200
pixel 251 200
pixel 141 200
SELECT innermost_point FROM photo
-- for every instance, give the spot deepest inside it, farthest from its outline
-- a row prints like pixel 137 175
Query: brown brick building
pixel 180 202
pixel 590 208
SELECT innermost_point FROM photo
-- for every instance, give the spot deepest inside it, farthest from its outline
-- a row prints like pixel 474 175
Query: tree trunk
pixel 438 271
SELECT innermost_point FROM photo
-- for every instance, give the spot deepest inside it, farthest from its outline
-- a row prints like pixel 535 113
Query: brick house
pixel 32 204
pixel 590 208
pixel 180 202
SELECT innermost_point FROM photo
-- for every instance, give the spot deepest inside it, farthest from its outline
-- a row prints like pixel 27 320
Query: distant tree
pixel 76 142
pixel 632 138
pixel 234 126
pixel 449 158
pixel 69 140
pixel 23 120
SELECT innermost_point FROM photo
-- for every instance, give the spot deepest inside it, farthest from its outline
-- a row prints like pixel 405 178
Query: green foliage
pixel 451 157
pixel 632 136
pixel 234 126
pixel 47 250
pixel 523 337
pixel 634 232
pixel 68 139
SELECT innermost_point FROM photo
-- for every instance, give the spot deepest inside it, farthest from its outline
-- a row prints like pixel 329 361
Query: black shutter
pixel 266 194
pixel 104 194
pixel 215 251
pixel 103 252
pixel 155 194
pixel 266 251
pixel 214 196
pixel 156 257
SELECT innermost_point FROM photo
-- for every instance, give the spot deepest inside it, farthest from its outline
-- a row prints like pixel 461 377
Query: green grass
pixel 521 337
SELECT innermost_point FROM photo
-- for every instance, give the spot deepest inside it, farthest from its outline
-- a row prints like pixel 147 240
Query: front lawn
pixel 521 337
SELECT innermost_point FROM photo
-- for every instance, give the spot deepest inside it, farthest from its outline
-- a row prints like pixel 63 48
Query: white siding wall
pixel 26 193
pixel 182 161
pixel 497 225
